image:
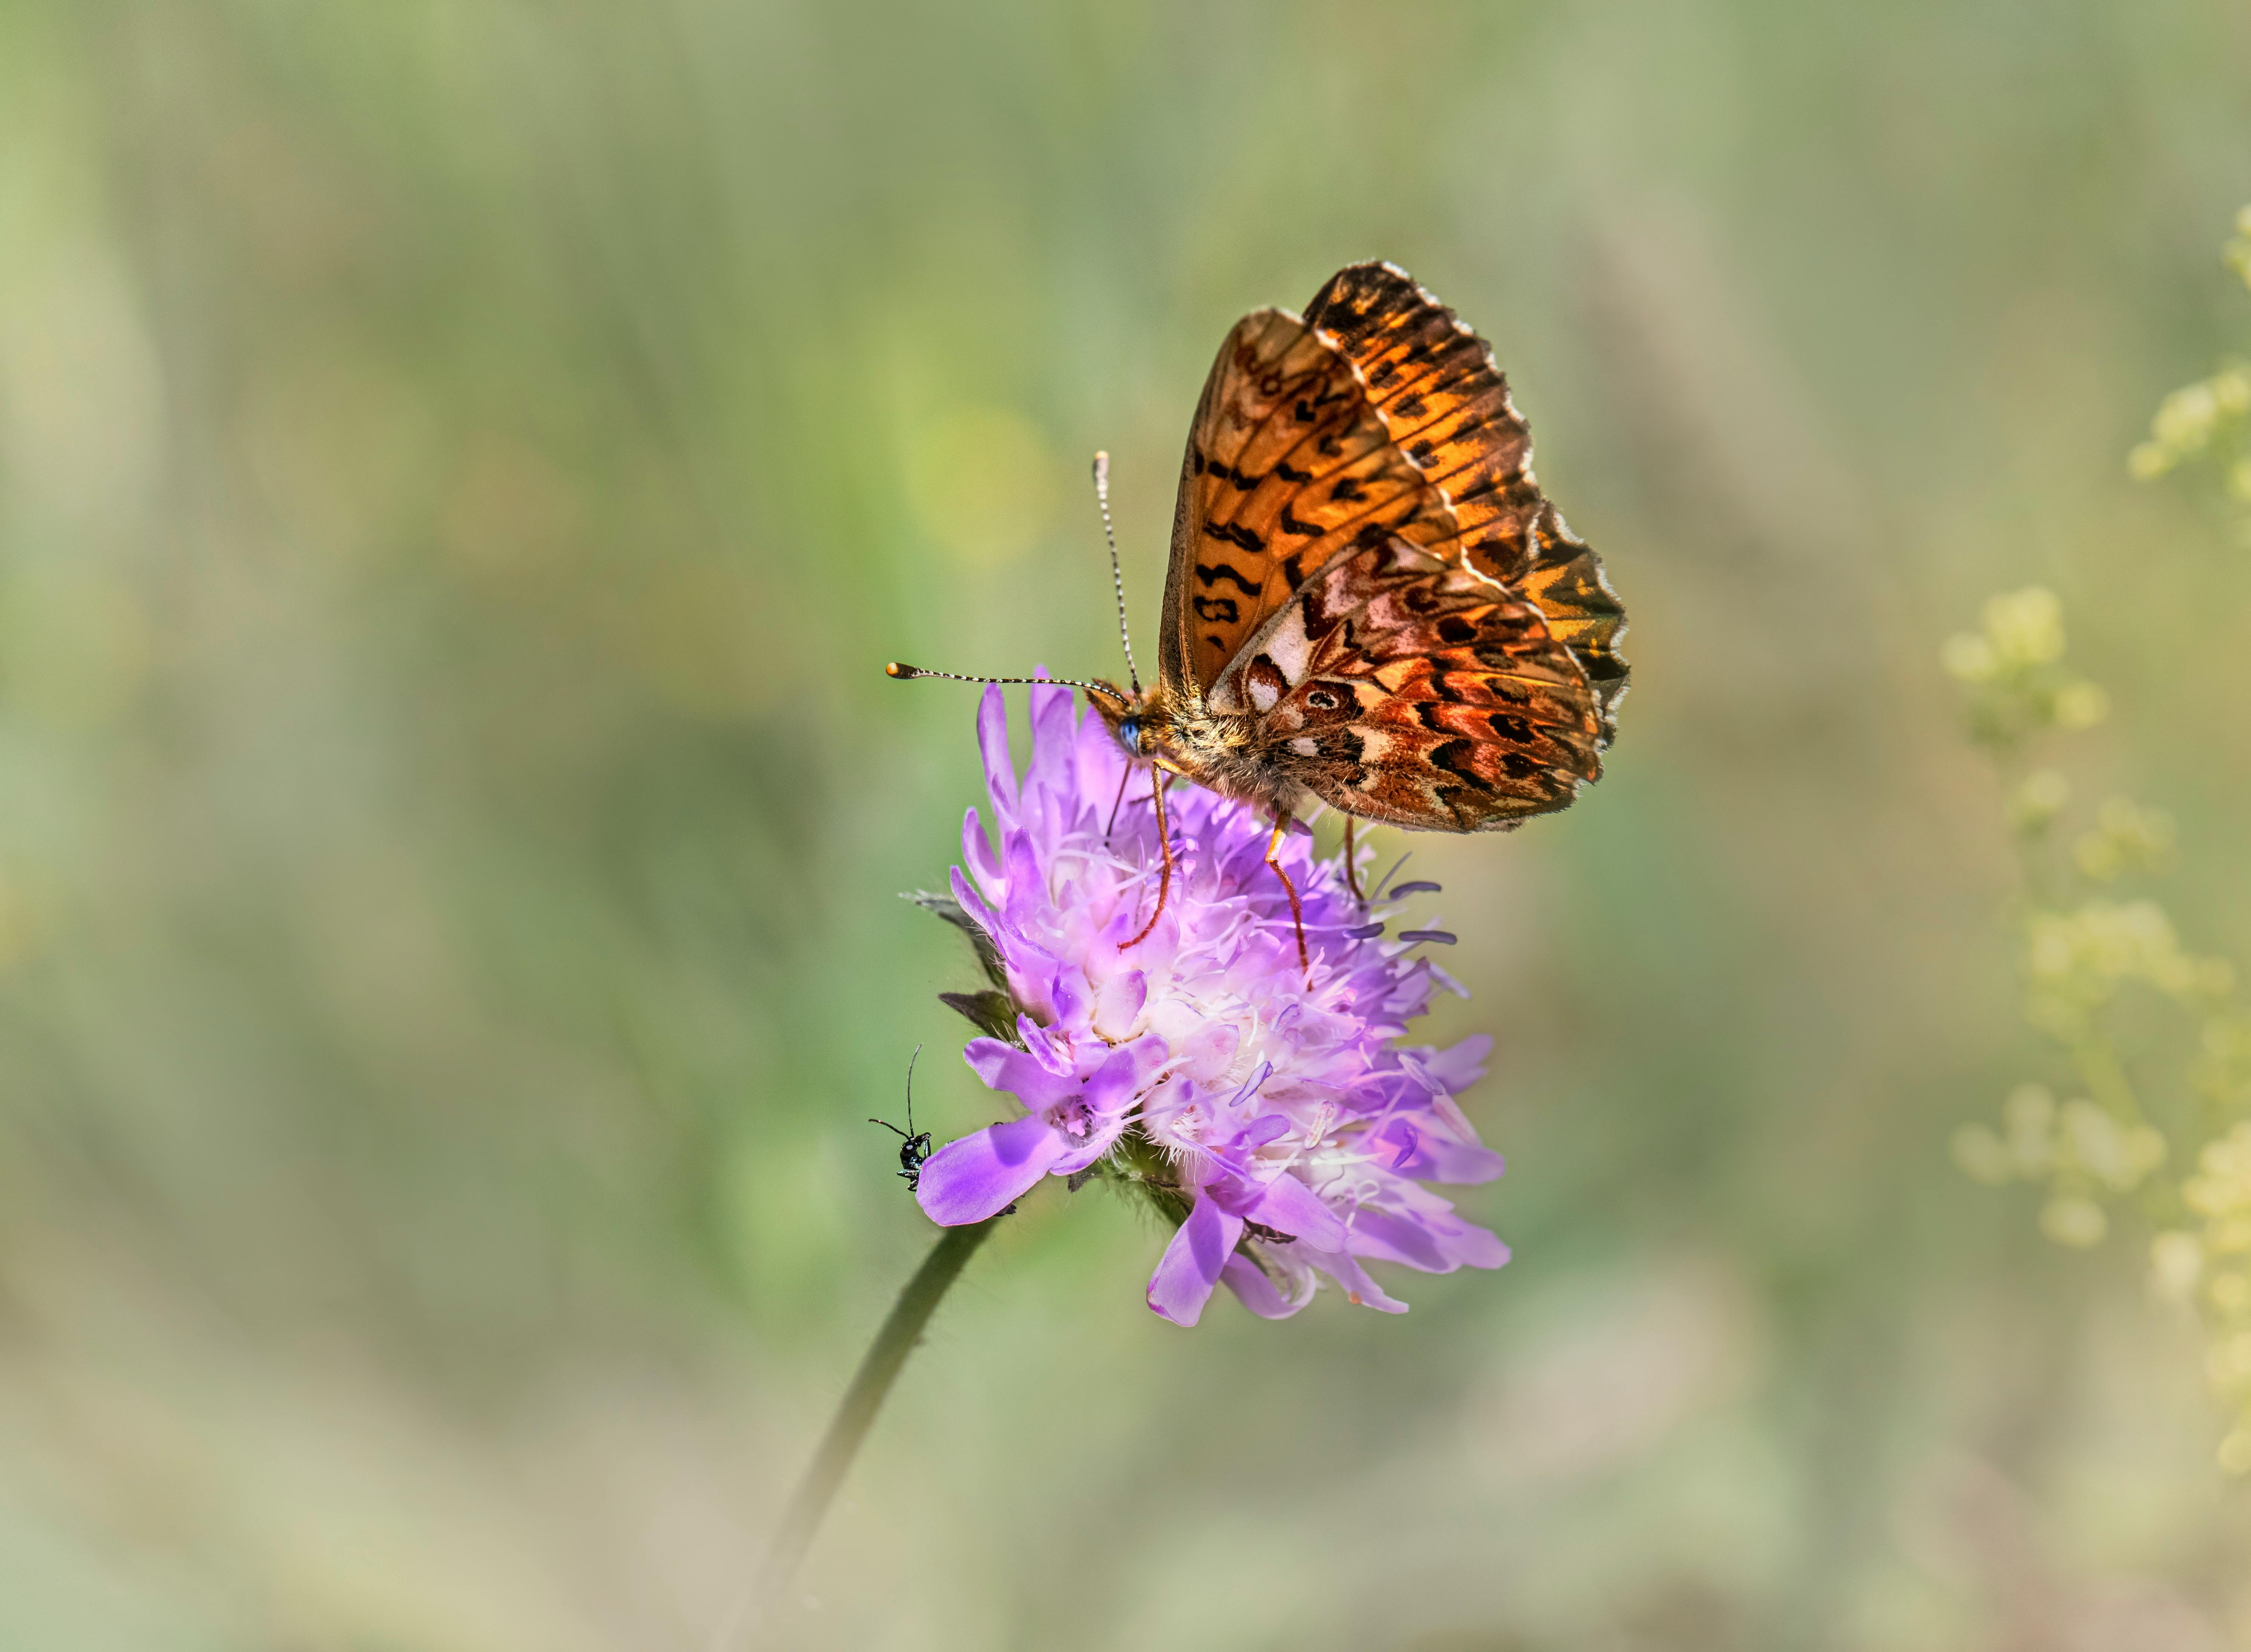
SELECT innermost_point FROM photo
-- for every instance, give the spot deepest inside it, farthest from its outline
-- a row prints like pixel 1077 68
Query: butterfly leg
pixel 1165 845
pixel 1351 866
pixel 1297 912
pixel 1116 801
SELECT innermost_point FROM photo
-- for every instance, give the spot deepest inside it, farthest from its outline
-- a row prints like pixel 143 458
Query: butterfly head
pixel 1130 718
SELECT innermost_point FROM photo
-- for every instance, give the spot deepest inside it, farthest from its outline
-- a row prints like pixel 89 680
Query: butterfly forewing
pixel 1285 463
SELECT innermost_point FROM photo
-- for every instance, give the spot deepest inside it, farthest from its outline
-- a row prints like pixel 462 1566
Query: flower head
pixel 1266 1107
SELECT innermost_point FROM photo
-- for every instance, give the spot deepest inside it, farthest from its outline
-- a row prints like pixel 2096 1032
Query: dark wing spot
pixel 1456 757
pixel 1210 576
pixel 1346 490
pixel 1221 609
pixel 1408 407
pixel 1520 766
pixel 1289 524
pixel 1456 630
pixel 1289 474
pixel 1509 726
pixel 1235 534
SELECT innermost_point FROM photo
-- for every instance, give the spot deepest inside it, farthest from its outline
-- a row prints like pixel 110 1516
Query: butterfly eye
pixel 1129 735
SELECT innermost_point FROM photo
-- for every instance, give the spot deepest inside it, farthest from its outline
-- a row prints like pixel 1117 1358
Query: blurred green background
pixel 463 467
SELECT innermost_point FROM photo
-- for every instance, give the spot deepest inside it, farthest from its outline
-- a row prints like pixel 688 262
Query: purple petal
pixel 1254 1290
pixel 1003 1066
pixel 974 904
pixel 1412 1150
pixel 1287 1204
pixel 1027 896
pixel 1103 1136
pixel 1266 1128
pixel 1462 1066
pixel 1359 1288
pixel 1435 1241
pixel 1051 738
pixel 1119 1002
pixel 992 743
pixel 977 852
pixel 1095 753
pixel 982 1175
pixel 1192 1263
pixel 1385 1237
pixel 1110 1089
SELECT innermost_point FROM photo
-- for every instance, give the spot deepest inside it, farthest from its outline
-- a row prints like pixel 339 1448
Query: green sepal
pixel 992 1013
pixel 988 953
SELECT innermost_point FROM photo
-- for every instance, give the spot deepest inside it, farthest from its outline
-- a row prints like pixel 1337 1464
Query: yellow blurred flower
pixel 2176 1260
pixel 2071 1219
pixel 2080 705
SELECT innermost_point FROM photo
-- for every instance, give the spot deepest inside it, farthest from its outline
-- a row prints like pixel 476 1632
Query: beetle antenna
pixel 908 1133
pixel 1116 579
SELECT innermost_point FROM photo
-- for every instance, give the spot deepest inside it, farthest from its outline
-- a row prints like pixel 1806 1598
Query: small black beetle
pixel 913 1148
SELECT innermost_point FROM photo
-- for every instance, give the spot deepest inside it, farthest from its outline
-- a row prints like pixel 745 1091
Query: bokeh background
pixel 463 467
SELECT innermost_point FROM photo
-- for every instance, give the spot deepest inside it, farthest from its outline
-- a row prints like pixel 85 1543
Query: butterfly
pixel 1370 604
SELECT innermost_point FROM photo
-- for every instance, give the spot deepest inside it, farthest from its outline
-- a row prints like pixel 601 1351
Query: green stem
pixel 878 1370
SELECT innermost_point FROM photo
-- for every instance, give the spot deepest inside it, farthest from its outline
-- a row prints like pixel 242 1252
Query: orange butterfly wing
pixel 1286 462
pixel 1362 560
pixel 1441 397
pixel 1404 687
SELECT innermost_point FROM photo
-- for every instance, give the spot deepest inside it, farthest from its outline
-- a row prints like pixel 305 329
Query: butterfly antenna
pixel 1116 579
pixel 905 672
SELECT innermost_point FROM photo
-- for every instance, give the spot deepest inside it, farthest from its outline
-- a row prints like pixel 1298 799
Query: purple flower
pixel 1268 1110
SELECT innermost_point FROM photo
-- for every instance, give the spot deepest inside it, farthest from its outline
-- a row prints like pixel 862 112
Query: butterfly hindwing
pixel 1402 686
pixel 1442 399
